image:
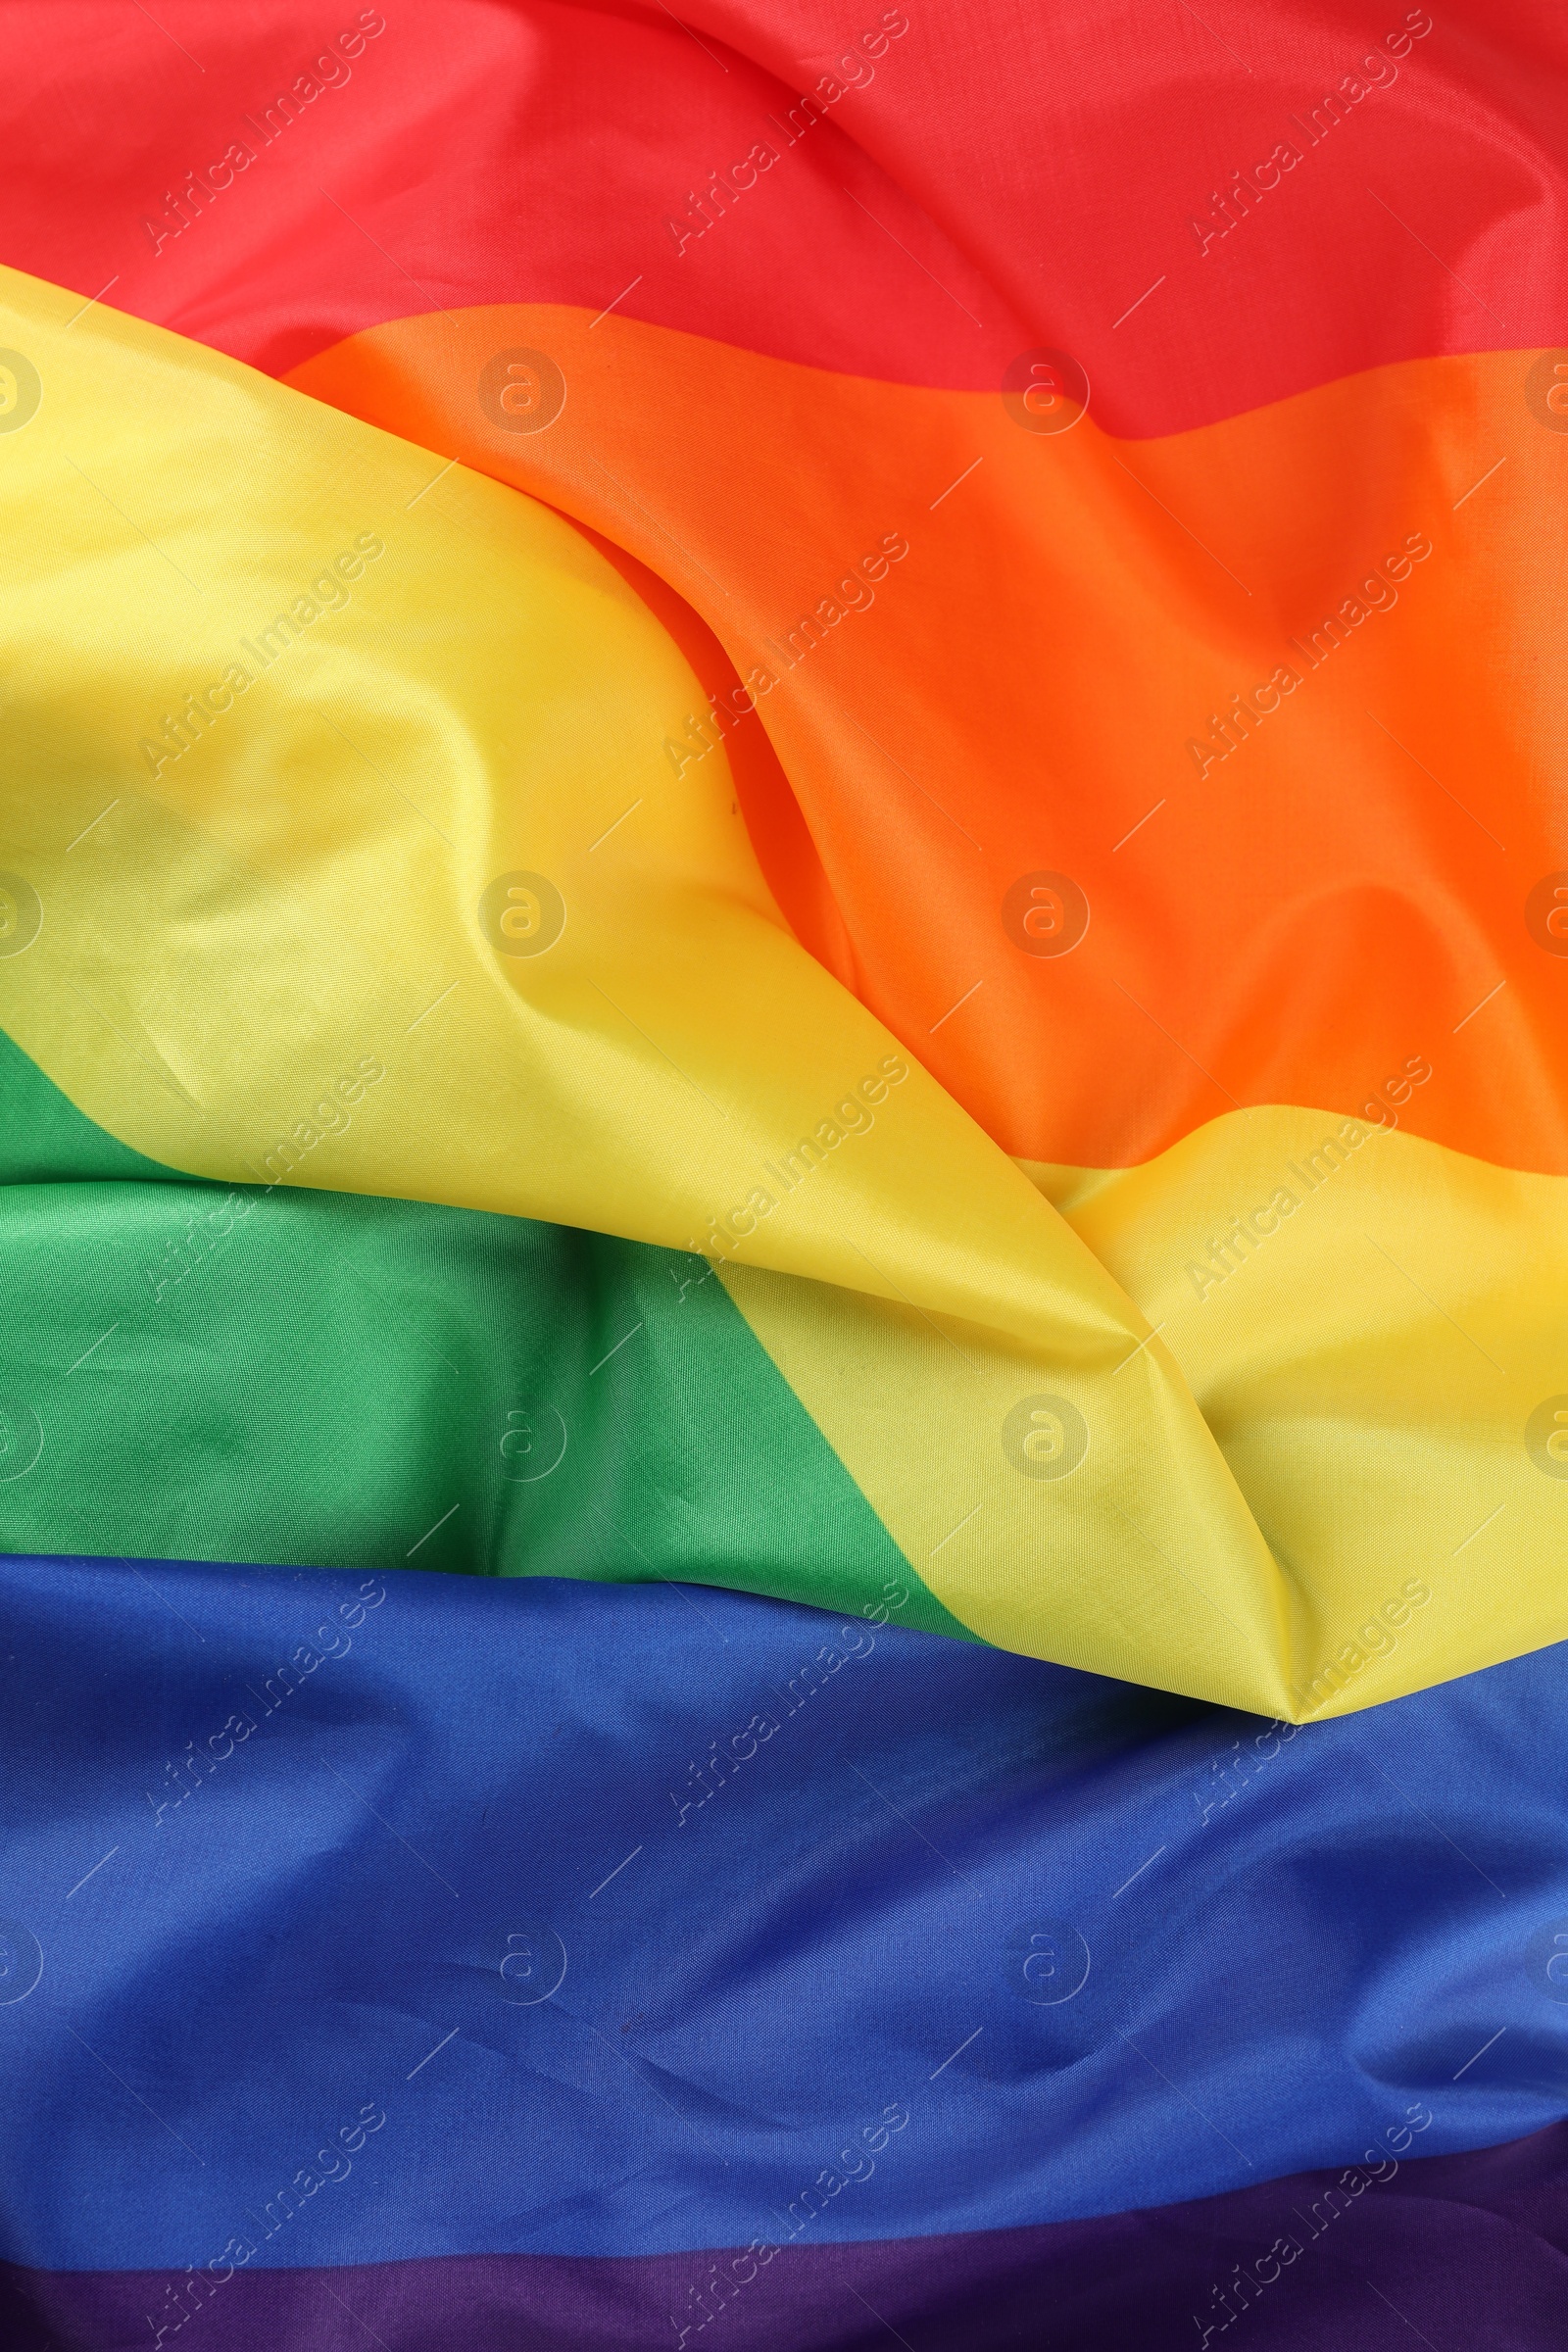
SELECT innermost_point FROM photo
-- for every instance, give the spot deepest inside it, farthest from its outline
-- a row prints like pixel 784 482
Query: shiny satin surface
pixel 1472 2242
pixel 1248 688
pixel 975 182
pixel 783 1138
pixel 388 760
pixel 1357 354
pixel 522 1869
pixel 338 1380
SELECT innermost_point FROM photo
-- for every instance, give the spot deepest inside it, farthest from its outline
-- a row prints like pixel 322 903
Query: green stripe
pixel 325 1379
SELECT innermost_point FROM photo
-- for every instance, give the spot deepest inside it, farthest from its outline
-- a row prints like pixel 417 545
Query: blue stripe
pixel 294 1851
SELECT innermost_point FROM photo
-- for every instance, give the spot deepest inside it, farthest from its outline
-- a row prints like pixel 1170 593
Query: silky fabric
pixel 763 382
pixel 610 2019
pixel 1473 2242
pixel 1308 869
pixel 1038 188
pixel 484 1395
pixel 783 1124
pixel 1207 796
pixel 657 1056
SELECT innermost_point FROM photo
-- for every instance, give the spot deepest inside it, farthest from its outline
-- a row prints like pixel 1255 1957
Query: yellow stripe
pixel 1380 1344
pixel 284 949
pixel 1374 1328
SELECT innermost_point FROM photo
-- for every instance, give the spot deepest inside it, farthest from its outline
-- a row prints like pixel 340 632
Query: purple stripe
pixel 1451 2250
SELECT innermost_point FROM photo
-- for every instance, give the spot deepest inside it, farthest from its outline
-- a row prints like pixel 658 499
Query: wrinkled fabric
pixel 1339 2261
pixel 1229 1451
pixel 660 1919
pixel 783 1412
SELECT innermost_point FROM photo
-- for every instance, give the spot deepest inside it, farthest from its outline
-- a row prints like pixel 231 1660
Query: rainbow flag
pixel 783 929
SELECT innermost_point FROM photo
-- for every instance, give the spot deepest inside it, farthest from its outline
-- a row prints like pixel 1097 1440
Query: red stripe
pixel 1003 178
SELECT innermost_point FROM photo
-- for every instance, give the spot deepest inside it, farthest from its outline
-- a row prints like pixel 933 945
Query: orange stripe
pixel 1339 899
